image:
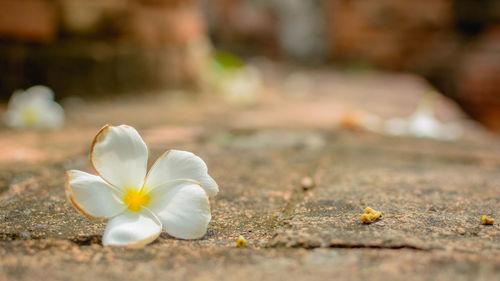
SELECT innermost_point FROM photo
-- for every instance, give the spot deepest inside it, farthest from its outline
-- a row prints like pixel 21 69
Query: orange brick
pixel 28 20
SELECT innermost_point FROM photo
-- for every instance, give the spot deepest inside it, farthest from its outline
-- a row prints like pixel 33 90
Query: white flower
pixel 173 195
pixel 34 108
pixel 423 123
pixel 241 86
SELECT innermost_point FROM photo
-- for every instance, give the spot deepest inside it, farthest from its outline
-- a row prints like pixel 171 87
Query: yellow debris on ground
pixel 241 242
pixel 370 215
pixel 351 120
pixel 487 221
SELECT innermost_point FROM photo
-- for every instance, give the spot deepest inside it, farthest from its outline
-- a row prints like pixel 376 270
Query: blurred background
pixel 96 48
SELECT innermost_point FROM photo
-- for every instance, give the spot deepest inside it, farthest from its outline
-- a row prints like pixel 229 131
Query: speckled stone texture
pixel 432 194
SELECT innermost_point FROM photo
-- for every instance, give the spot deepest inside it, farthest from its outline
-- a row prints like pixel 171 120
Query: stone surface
pixel 432 194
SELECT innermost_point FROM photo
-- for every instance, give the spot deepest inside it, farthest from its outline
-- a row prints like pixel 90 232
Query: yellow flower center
pixel 30 116
pixel 135 199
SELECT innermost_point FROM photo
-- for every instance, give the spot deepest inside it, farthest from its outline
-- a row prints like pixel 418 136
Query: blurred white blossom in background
pixel 34 108
pixel 236 82
pixel 423 123
pixel 242 86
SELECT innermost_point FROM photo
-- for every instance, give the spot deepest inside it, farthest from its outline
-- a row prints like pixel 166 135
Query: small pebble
pixel 307 183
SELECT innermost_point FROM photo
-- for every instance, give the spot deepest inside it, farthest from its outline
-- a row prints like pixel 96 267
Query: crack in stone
pixel 26 235
pixel 375 246
pixel 86 240
pixel 307 241
pixel 298 194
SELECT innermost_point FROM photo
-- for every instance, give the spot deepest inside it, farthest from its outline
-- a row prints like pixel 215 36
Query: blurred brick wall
pixel 478 79
pixel 85 47
pixel 245 27
pixel 31 20
pixel 391 34
pixel 115 46
pixel 449 42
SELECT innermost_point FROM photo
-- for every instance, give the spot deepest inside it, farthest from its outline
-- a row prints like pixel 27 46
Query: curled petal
pixel 182 207
pixel 132 229
pixel 180 165
pixel 120 156
pixel 92 196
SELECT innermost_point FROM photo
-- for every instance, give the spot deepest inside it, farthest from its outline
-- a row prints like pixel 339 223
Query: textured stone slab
pixel 432 195
pixel 430 199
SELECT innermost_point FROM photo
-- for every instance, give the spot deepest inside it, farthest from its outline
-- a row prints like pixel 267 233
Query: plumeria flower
pixel 423 123
pixel 173 195
pixel 34 108
pixel 241 86
pixel 237 83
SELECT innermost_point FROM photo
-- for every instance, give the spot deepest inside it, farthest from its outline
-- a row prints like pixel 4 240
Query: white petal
pixel 176 165
pixel 93 196
pixel 40 92
pixel 120 156
pixel 36 96
pixel 32 96
pixel 53 116
pixel 132 229
pixel 18 98
pixel 13 118
pixel 423 124
pixel 183 209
